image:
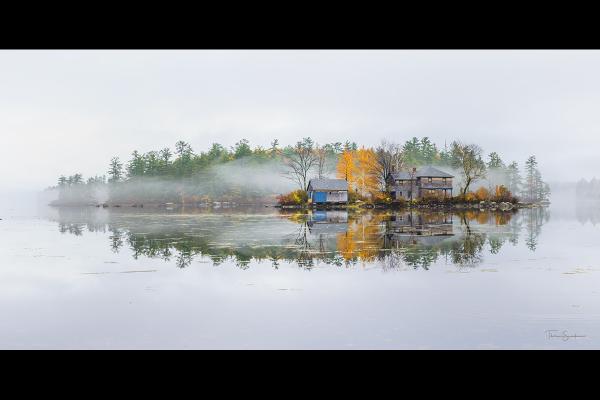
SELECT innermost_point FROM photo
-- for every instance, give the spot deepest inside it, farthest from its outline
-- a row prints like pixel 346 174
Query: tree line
pixel 588 189
pixel 367 169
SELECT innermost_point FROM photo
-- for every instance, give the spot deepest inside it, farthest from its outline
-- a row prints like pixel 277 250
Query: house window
pixel 429 179
pixel 444 180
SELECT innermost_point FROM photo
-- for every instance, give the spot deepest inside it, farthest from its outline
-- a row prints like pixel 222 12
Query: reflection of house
pixel 328 191
pixel 424 182
pixel 328 222
pixel 420 224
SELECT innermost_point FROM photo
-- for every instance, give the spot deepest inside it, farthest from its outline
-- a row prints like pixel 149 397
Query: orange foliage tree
pixel 482 194
pixel 366 178
pixel 346 167
pixel 470 196
pixel 363 239
pixel 502 193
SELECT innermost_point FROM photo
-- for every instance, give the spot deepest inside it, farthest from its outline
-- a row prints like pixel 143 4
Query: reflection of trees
pixel 495 243
pixel 302 236
pixel 463 251
pixel 509 225
pixel 363 239
pixel 587 211
pixel 534 219
pixel 394 261
pixel 116 239
pixel 514 229
pixel 396 240
pixel 73 229
pixel 462 244
pixel 468 250
pixel 181 241
pixel 76 220
pixel 302 241
pixel 416 238
pixel 422 258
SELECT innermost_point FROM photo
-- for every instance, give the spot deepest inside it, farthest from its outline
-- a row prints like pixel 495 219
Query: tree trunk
pixel 467 183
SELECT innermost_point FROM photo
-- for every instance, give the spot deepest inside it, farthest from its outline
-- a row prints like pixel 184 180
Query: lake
pixel 248 278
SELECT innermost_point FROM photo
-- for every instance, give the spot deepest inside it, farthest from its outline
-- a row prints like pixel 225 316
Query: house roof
pixel 433 172
pixel 427 171
pixel 328 184
pixel 401 175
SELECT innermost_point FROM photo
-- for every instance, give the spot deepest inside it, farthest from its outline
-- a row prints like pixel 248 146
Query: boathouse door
pixel 320 197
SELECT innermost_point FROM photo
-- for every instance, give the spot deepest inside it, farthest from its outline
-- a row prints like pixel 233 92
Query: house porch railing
pixel 435 185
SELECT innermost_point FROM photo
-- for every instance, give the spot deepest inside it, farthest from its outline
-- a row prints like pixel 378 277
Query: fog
pixel 236 181
pixel 63 112
pixel 492 179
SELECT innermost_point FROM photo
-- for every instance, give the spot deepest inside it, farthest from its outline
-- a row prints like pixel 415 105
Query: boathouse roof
pixel 328 184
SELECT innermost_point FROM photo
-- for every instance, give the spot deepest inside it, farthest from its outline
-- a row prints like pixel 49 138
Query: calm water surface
pixel 259 278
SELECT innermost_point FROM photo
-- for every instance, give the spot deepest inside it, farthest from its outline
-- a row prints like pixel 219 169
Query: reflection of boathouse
pixel 328 222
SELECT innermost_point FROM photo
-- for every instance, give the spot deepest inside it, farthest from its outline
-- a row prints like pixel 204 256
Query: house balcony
pixel 435 185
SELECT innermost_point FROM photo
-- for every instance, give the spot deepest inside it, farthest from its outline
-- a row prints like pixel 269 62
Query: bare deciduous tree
pixel 322 163
pixel 300 161
pixel 389 158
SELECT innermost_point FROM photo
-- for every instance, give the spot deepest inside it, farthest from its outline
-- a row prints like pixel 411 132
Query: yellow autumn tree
pixel 502 193
pixel 366 178
pixel 482 194
pixel 346 167
pixel 346 244
pixel 363 239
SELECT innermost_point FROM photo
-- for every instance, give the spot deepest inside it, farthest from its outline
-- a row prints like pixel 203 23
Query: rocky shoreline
pixel 483 205
pixel 442 206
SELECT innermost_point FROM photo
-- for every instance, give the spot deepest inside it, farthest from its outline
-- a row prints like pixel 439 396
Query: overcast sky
pixel 63 112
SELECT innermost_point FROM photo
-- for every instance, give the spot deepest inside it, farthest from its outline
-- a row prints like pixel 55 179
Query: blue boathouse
pixel 328 191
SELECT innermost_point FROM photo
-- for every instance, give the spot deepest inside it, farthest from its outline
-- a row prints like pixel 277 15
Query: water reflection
pixel 395 240
pixel 587 211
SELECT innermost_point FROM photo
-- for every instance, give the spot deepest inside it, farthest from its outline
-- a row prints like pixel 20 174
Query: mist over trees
pixel 588 189
pixel 252 174
pixel 535 188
